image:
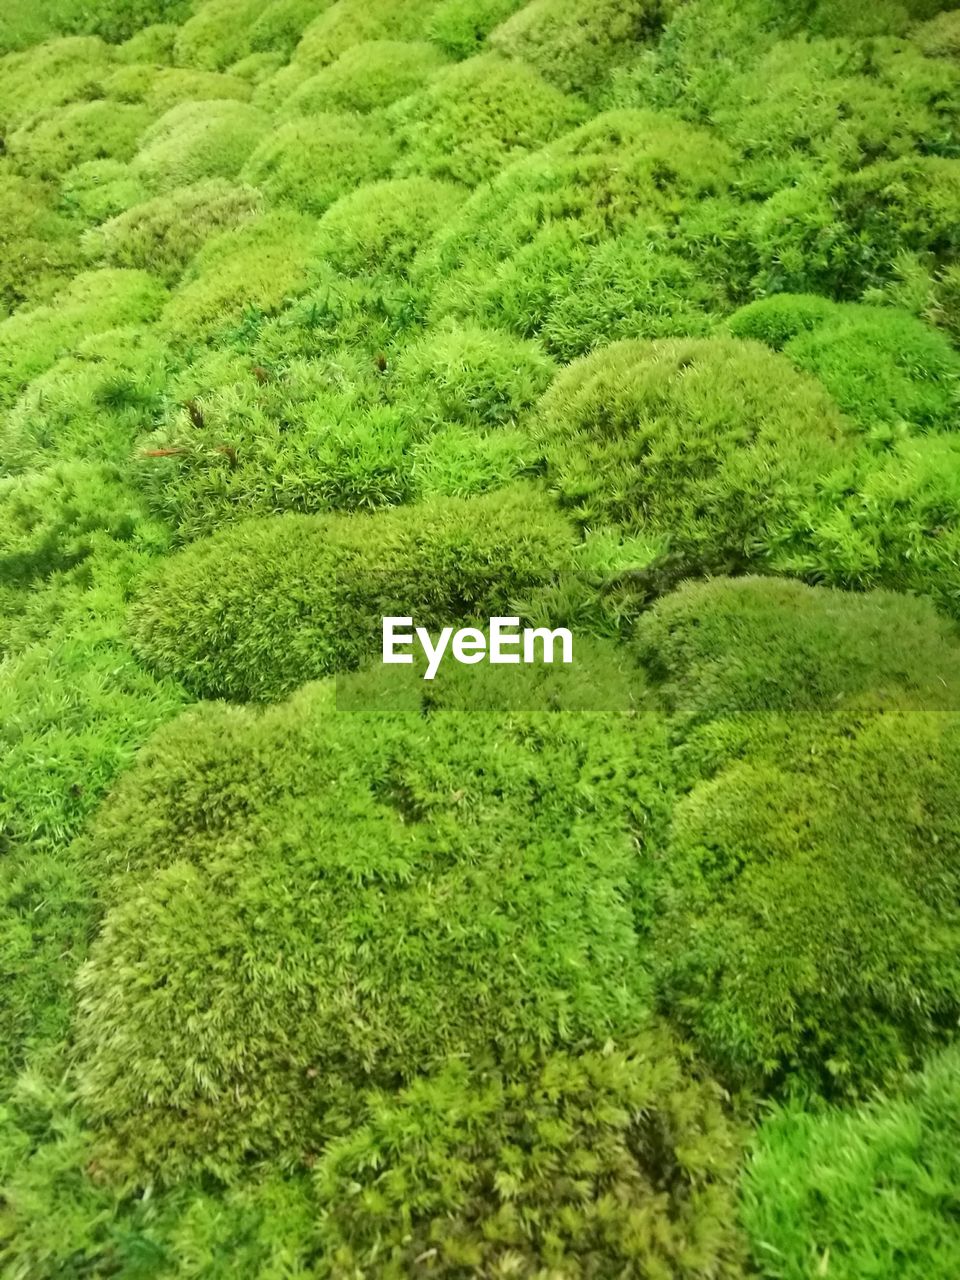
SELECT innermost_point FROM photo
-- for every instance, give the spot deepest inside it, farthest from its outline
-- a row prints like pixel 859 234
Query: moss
pixel 380 226
pixel 476 117
pixel 151 45
pixel 425 933
pixel 172 86
pixel 309 163
pixel 481 378
pixel 198 140
pixel 38 249
pixel 251 270
pixel 63 137
pixel 51 75
pixel 715 445
pixel 99 189
pixel 353 22
pixel 164 233
pixel 30 341
pixel 489 1171
pixel 217 34
pixel 517 241
pixel 262 607
pixel 91 404
pixel 461 26
pixel 801 857
pixel 868 1189
pixel 575 44
pixel 731 646
pixel 366 77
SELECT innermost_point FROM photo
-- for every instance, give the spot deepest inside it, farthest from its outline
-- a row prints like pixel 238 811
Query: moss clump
pixel 461 26
pixel 731 646
pixel 100 189
pixel 91 404
pixel 198 140
pixel 38 249
pixel 575 43
pixel 262 607
pixel 490 1172
pixel 31 341
pixel 352 22
pixel 476 117
pixel 251 270
pixel 366 77
pixel 879 364
pixel 65 136
pixel 481 378
pixel 391 897
pixel 50 519
pixel 715 445
pixel 380 226
pixel 51 75
pixel 217 34
pixel 869 1189
pixel 171 86
pixel 162 234
pixel 802 857
pixel 635 286
pixel 893 525
pixel 309 163
pixel 518 241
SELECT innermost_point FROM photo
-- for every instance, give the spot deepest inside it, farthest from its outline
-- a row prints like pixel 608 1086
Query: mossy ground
pixel 639 317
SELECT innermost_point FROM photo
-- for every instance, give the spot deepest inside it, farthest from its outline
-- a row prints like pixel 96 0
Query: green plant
pixel 366 77
pixel 263 607
pixel 380 226
pixel 460 27
pixel 871 1191
pixel 474 118
pixel 310 162
pixel 196 140
pixel 714 445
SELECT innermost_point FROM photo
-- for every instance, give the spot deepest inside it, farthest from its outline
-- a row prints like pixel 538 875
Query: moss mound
pixel 715 446
pixel 162 235
pixel 262 608
pixel 561 1167
pixel 309 163
pixel 381 226
pixel 805 927
pixel 474 118
pixel 864 1188
pixel 196 140
pixel 367 77
pixel 730 646
pixel 391 897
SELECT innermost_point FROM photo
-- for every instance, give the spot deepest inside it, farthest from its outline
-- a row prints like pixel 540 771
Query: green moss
pixel 367 76
pixel 31 341
pixel 198 140
pixel 489 1172
pixel 476 117
pixel 353 22
pixel 940 37
pixel 162 235
pixel 461 26
pixel 380 226
pixel 100 189
pixel 715 445
pixel 481 378
pixel 91 404
pixel 730 646
pixel 309 163
pixel 171 86
pixel 253 269
pixel 51 75
pixel 257 610
pixel 517 241
pixel 328 963
pixel 893 525
pixel 575 44
pixel 217 34
pixel 870 1190
pixel 802 857
pixel 38 249
pixel 66 136
pixel 635 286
